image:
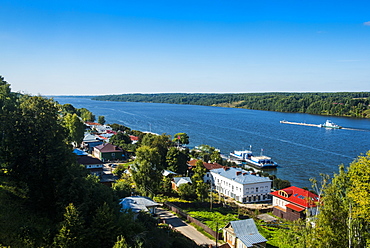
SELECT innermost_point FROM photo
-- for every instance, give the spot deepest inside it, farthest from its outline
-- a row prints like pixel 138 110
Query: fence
pixel 179 211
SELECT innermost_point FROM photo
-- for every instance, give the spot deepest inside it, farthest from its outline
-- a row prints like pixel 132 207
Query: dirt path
pixel 187 230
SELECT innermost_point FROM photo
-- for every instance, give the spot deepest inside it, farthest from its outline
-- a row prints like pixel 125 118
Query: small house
pixel 178 181
pixel 294 203
pixel 138 204
pixel 108 152
pixel 243 234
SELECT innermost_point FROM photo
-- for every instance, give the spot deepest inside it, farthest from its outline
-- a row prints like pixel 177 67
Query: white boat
pixel 257 161
pixel 241 155
pixel 261 162
pixel 330 124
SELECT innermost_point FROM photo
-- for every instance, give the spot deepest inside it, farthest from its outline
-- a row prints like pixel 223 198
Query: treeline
pixel 351 104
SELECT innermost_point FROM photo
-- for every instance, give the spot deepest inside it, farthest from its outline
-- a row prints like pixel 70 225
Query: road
pixel 187 230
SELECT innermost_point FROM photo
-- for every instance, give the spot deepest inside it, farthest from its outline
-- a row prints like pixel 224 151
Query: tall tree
pixel 160 142
pixel 75 128
pixel 176 160
pixel 103 230
pixel 101 119
pixel 200 186
pixel 85 114
pixel 147 170
pixel 36 149
pixel 71 234
pixel 181 139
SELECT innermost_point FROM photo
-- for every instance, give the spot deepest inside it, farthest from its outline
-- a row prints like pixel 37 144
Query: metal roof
pixel 247 232
pixel 138 203
pixel 239 175
pixel 181 180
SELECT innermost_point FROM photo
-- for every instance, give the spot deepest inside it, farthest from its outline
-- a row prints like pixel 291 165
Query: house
pixel 178 181
pixel 243 234
pixel 108 152
pixel 90 141
pixel 94 165
pixel 138 204
pixel 98 127
pixel 291 203
pixel 134 139
pixel 241 185
pixel 208 166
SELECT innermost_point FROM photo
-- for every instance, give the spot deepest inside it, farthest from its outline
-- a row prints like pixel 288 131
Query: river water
pixel 302 152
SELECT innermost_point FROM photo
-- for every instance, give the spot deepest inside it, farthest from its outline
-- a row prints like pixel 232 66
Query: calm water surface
pixel 302 152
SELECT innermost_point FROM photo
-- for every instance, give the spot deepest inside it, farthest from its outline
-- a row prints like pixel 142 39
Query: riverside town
pixel 69 179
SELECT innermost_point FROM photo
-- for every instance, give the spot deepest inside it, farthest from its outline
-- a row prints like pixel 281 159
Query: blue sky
pixel 113 47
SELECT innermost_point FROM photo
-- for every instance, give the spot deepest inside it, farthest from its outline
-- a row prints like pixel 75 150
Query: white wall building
pixel 241 185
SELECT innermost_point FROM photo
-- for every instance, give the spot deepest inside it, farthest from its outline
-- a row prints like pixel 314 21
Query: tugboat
pixel 330 124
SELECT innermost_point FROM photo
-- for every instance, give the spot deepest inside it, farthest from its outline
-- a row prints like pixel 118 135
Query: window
pixel 256 189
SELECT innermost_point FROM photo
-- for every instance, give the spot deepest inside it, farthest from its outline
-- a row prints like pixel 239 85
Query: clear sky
pixel 111 47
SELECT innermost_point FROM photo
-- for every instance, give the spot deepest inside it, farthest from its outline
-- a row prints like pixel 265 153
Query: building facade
pixel 241 185
pixel 294 203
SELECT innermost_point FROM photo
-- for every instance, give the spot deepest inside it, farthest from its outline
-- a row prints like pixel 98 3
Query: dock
pixel 300 124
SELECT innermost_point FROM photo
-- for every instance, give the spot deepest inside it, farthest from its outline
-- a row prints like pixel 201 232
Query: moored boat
pixel 256 161
pixel 261 162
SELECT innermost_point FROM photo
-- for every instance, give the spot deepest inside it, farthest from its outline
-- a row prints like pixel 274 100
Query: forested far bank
pixel 349 104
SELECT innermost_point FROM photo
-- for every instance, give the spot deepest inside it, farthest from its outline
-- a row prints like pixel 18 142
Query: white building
pixel 241 185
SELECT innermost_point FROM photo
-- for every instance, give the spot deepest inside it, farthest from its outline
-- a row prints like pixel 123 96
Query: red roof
pixel 294 207
pixel 208 166
pixel 297 196
pixel 93 123
pixel 134 138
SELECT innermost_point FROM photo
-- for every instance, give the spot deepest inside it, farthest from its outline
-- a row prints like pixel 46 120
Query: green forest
pixel 351 104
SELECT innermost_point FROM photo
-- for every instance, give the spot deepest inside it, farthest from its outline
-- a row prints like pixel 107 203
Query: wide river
pixel 302 152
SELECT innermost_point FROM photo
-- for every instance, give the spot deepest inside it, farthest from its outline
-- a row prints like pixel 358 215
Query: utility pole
pixel 216 234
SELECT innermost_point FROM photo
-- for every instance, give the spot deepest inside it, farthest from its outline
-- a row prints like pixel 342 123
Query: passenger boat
pixel 330 124
pixel 256 161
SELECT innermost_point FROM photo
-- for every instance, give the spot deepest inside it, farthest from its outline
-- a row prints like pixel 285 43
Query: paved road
pixel 184 228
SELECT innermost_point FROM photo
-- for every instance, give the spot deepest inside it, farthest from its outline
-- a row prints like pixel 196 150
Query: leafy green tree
pixel 147 170
pixel 216 157
pixel 166 185
pixel 85 114
pixel 120 139
pixel 181 139
pixel 35 144
pixel 8 105
pixel 101 119
pixel 201 188
pixel 176 160
pixel 75 127
pixel 160 142
pixel 121 242
pixel 280 183
pixel 187 192
pixel 103 230
pixel 71 234
pixel 68 108
pixel 119 127
pixel 123 188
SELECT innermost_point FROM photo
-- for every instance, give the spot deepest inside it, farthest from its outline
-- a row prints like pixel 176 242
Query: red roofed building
pixel 134 139
pixel 290 203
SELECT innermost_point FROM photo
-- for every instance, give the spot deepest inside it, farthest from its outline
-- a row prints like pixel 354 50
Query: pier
pixel 301 124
